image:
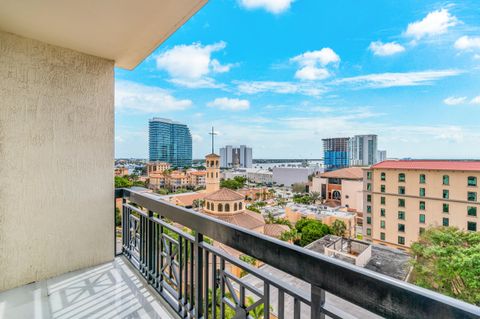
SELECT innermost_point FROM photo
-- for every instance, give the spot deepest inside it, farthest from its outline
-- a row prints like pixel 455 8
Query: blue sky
pixel 280 75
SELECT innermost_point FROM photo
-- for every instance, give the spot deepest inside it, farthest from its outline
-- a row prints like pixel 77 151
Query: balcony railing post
pixel 150 247
pixel 318 302
pixel 198 276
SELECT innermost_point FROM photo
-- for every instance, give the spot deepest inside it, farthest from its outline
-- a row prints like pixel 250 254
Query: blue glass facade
pixel 336 153
pixel 170 142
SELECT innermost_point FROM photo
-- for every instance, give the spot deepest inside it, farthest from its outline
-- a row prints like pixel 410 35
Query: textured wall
pixel 56 159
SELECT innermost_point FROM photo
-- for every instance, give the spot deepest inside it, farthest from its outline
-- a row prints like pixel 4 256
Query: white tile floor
pixel 112 290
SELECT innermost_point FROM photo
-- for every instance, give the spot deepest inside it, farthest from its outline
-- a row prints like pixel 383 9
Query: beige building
pixel 403 198
pixel 121 171
pixel 157 167
pixel 212 180
pixel 343 185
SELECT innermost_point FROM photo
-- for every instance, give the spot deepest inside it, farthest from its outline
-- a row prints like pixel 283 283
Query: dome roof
pixel 224 194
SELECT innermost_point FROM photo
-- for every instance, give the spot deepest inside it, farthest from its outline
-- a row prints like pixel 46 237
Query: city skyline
pixel 269 77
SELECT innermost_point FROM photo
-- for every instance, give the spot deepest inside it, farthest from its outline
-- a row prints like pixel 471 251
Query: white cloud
pixel 384 49
pixel 385 80
pixel 454 100
pixel 272 6
pixel 254 87
pixel 313 64
pixel 435 23
pixel 476 56
pixel 193 63
pixel 205 82
pixel 475 100
pixel 146 99
pixel 230 104
pixel 467 43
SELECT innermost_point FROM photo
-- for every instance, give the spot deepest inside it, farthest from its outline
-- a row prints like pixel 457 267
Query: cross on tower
pixel 212 133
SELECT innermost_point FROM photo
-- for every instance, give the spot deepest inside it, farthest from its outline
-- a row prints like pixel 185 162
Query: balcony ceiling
pixel 125 31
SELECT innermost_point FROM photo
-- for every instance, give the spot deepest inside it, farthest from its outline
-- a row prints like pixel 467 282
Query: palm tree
pixel 314 196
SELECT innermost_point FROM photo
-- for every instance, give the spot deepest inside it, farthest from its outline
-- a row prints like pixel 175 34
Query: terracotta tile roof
pixel 199 173
pixel 443 165
pixel 345 173
pixel 246 219
pixel 187 199
pixel 275 230
pixel 224 194
pixel 212 155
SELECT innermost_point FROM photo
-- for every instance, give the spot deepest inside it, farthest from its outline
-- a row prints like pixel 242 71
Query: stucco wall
pixel 56 159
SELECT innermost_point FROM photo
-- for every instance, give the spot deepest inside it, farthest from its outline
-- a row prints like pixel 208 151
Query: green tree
pixel 314 196
pixel 447 260
pixel 299 188
pixel 338 227
pixel 231 184
pixel 310 230
pixel 122 182
pixel 290 235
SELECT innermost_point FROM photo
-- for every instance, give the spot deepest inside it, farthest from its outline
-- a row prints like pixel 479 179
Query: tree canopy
pixel 447 260
pixel 235 183
pixel 309 230
pixel 338 227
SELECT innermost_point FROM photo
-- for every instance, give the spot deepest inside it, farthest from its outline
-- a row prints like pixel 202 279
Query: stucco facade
pixel 399 207
pixel 57 154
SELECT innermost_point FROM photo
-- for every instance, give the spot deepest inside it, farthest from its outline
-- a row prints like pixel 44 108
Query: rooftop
pixel 224 194
pixel 443 165
pixel 345 173
pixel 384 260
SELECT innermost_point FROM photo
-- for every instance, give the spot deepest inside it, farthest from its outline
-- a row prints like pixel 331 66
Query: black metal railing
pixel 199 279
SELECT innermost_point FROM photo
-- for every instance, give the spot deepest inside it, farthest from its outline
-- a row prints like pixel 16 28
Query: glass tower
pixel 170 142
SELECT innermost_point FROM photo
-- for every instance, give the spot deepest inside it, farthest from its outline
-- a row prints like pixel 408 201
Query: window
pixel 401 202
pixel 369 232
pixel 382 188
pixel 472 181
pixel 445 222
pixel 422 178
pixel 401 215
pixel 382 200
pixel 382 212
pixel 401 177
pixel 422 192
pixel 472 211
pixel 446 180
pixel 369 175
pixel 227 207
pixel 382 176
pixel 401 190
pixel 382 224
pixel 421 205
pixel 401 228
pixel 472 226
pixel 421 230
pixel 446 194
pixel 382 236
pixel 220 207
pixel 421 218
pixel 369 198
pixel 235 207
pixel 401 240
pixel 369 220
pixel 369 209
pixel 240 206
pixel 472 196
pixel 446 208
pixel 369 187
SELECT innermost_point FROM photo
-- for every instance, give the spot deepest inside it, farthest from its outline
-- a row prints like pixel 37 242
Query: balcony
pixel 171 261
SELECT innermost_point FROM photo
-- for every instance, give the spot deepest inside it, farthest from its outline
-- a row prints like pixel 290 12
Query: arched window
pixel 208 205
pixel 216 163
pixel 220 207
pixel 240 206
pixel 212 163
pixel 227 207
pixel 401 177
pixel 235 207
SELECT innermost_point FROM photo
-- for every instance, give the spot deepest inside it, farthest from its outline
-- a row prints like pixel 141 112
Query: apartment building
pixel 405 197
pixel 157 167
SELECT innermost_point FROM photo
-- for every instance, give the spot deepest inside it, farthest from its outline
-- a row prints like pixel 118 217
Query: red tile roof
pixel 345 173
pixel 443 165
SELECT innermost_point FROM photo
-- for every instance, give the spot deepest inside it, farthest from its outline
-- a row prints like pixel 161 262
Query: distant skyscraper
pixel 336 153
pixel 363 150
pixel 236 156
pixel 381 156
pixel 170 142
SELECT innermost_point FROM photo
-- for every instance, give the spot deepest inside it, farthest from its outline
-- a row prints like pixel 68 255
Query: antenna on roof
pixel 212 133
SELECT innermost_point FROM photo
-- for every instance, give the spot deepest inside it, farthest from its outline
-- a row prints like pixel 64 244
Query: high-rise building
pixel 170 142
pixel 336 153
pixel 236 156
pixel 381 156
pixel 363 150
pixel 403 198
